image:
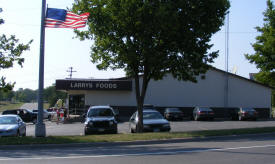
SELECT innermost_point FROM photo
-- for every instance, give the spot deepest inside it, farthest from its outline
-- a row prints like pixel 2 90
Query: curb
pixel 139 142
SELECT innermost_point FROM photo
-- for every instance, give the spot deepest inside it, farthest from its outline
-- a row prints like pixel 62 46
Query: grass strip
pixel 130 137
pixel 8 106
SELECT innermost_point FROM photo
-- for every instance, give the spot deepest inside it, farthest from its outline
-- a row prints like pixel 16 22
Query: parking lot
pixel 53 129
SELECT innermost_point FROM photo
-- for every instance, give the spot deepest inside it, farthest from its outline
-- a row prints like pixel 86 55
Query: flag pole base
pixel 40 130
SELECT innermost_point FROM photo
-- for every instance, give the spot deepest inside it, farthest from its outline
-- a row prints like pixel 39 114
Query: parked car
pixel 52 112
pixel 148 106
pixel 173 114
pixel 100 119
pixel 200 113
pixel 12 125
pixel 153 121
pixel 25 114
pixel 246 114
pixel 46 114
pixel 116 112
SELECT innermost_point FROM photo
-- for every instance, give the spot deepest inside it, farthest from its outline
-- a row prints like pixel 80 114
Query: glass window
pixel 152 115
pixel 99 112
pixel 173 110
pixel 206 109
pixel 8 120
pixel 248 109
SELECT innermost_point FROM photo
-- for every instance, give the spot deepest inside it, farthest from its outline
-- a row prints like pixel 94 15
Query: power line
pixel 71 72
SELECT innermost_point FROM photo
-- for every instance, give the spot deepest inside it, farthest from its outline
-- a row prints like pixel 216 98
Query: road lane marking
pixel 139 154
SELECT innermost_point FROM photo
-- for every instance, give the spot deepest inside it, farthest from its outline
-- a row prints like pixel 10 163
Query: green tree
pixel 6 95
pixel 152 38
pixel 10 53
pixel 25 95
pixel 51 95
pixel 264 56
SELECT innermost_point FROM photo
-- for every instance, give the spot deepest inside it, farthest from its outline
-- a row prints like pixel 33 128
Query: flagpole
pixel 40 129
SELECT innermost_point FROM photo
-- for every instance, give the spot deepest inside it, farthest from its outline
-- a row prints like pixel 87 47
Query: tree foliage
pixel 10 53
pixel 25 95
pixel 6 95
pixel 264 56
pixel 52 95
pixel 29 95
pixel 152 37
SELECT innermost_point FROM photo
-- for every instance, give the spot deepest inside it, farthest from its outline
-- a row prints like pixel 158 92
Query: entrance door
pixel 77 104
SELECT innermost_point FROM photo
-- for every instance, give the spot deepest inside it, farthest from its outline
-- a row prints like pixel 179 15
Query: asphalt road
pixel 52 129
pixel 249 149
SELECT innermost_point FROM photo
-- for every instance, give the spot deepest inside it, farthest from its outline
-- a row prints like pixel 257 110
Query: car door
pixel 21 114
pixel 21 126
pixel 27 115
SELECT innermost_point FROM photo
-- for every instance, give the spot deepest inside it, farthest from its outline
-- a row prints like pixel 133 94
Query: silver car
pixel 12 125
pixel 153 121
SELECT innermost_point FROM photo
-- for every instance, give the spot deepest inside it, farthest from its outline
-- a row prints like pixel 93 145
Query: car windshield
pixel 206 109
pixel 248 109
pixel 152 115
pixel 173 110
pixel 28 110
pixel 8 120
pixel 100 112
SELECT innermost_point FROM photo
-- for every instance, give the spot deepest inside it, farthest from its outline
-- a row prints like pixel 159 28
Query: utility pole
pixel 71 72
pixel 226 96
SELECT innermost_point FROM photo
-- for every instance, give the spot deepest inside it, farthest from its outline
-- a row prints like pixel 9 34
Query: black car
pixel 100 119
pixel 245 114
pixel 205 113
pixel 153 121
pixel 173 114
pixel 25 114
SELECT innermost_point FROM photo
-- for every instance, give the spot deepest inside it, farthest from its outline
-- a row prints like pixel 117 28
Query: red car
pixel 247 113
pixel 200 113
pixel 173 114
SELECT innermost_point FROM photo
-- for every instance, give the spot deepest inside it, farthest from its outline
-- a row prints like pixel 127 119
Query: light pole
pixel 40 129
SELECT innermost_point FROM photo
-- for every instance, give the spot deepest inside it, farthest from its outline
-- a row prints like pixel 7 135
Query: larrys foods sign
pixel 94 85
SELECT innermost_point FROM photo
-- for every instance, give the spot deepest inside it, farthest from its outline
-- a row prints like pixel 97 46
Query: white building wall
pixel 206 92
pixel 171 92
pixel 246 94
pixel 115 98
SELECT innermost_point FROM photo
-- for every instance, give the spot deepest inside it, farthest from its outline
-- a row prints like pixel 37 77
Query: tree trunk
pixel 139 127
pixel 140 96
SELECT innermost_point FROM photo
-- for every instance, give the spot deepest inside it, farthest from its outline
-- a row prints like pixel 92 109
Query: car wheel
pixel 34 121
pixel 115 131
pixel 24 134
pixel 49 118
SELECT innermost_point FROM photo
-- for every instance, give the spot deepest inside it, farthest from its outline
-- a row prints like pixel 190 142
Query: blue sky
pixel 22 18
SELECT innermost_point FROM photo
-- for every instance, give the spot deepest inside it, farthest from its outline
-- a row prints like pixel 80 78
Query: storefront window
pixel 76 104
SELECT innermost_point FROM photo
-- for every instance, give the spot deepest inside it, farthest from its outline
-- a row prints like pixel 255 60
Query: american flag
pixel 59 18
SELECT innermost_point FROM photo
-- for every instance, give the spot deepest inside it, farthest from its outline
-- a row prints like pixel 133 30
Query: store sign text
pixel 94 85
pixel 79 85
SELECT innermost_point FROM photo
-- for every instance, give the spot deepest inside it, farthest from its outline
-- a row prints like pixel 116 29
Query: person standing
pixel 57 115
